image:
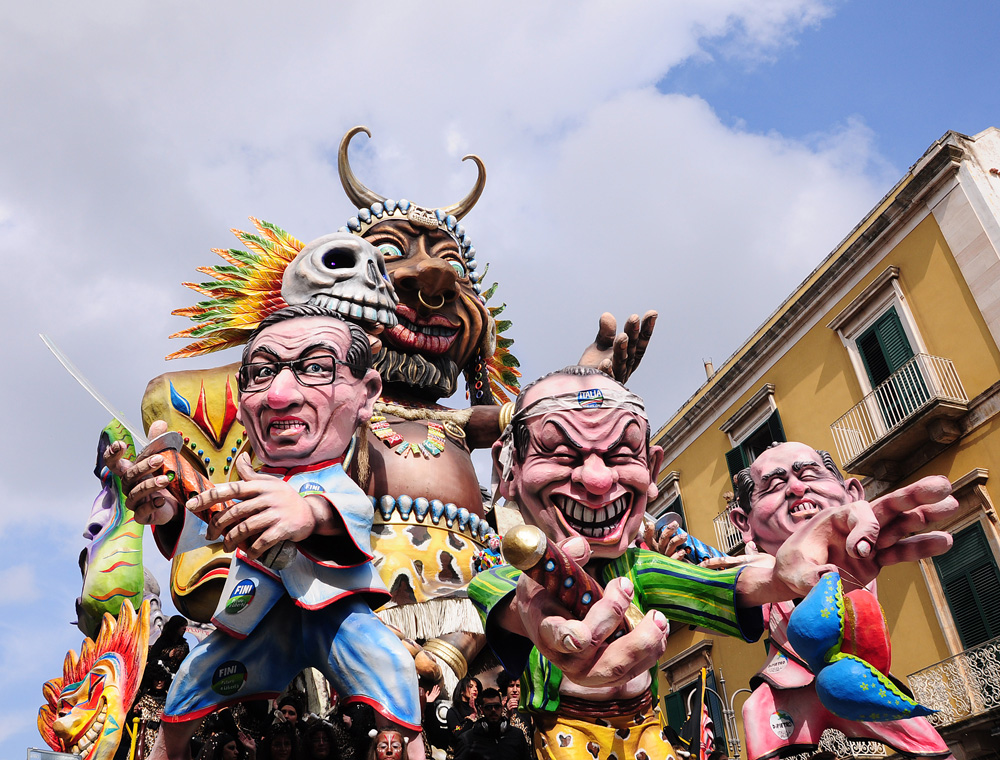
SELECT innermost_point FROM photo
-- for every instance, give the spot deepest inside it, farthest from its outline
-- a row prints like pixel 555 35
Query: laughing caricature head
pixel 785 487
pixel 577 459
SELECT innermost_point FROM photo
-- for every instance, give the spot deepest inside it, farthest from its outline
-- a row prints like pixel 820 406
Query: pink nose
pixel 284 390
pixel 595 476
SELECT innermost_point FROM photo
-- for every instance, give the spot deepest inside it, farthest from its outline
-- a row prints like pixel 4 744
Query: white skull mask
pixel 344 273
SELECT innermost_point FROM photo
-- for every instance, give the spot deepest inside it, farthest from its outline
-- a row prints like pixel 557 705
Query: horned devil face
pixel 344 273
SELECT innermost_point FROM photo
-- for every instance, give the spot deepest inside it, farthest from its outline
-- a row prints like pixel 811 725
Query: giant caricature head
pixel 444 325
pixel 308 413
pixel 85 709
pixel 577 459
pixel 785 487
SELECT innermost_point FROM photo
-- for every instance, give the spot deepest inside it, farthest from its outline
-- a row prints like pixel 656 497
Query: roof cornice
pixel 937 164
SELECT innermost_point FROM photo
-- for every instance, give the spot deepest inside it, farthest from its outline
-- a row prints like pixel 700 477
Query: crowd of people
pixel 476 722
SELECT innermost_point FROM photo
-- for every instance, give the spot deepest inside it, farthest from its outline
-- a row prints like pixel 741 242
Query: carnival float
pixel 275 544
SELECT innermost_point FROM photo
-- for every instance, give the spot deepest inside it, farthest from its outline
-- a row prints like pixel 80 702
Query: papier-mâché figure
pixel 791 488
pixel 577 460
pixel 306 383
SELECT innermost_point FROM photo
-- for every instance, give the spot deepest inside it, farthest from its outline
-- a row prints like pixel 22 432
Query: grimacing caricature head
pixel 291 421
pixel 785 487
pixel 85 709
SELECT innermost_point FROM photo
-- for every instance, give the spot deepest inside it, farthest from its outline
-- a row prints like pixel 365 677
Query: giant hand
pixel 861 538
pixel 582 649
pixel 268 511
pixel 618 354
pixel 142 480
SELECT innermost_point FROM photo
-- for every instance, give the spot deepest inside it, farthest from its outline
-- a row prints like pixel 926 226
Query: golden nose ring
pixel 420 297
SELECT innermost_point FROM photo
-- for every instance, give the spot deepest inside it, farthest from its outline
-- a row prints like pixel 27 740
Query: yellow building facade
pixel 887 356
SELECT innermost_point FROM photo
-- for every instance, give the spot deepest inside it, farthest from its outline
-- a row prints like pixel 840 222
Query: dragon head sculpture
pixel 85 709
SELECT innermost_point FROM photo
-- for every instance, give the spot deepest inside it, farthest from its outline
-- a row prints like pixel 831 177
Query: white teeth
pixel 430 330
pixel 592 523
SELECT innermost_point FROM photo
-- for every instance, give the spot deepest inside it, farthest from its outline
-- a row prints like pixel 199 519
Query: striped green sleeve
pixel 540 684
pixel 489 590
pixel 687 593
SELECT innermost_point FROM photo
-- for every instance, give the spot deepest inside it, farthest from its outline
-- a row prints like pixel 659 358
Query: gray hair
pixel 359 353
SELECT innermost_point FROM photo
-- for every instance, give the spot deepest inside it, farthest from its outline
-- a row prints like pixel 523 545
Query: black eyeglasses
pixel 315 370
pixel 492 706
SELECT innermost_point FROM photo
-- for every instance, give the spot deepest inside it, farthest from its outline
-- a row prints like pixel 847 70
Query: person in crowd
pixel 280 743
pixel 326 741
pixel 491 737
pixel 464 708
pixel 510 692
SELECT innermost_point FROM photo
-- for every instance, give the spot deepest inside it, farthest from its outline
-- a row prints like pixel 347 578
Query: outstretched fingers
pixel 914 548
pixel 930 490
pixel 237 489
pixel 139 473
pixel 607 327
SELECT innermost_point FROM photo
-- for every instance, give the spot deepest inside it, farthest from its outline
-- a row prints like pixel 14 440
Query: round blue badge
pixel 229 678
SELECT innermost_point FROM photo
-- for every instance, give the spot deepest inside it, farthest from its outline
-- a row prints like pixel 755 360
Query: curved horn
pixel 359 195
pixel 465 205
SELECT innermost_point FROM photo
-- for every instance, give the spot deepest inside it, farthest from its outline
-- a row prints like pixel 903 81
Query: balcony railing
pixel 727 536
pixel 962 686
pixel 905 393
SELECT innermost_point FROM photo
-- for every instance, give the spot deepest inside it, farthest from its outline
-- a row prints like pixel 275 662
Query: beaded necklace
pixel 432 445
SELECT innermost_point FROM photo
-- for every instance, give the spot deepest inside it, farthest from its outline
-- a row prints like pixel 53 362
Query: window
pixel 751 447
pixel 668 499
pixel 971 584
pixel 878 330
pixel 886 352
pixel 884 348
pixel 964 583
pixel 676 708
pixel 754 427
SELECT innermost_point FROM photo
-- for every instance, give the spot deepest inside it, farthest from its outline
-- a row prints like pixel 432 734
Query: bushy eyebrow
pixel 799 466
pixel 777 472
pixel 565 433
pixel 323 345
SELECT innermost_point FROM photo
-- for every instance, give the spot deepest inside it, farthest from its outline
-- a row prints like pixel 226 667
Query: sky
pixel 695 158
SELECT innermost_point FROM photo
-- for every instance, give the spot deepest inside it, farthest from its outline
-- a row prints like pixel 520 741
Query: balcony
pixel 963 687
pixel 917 405
pixel 727 536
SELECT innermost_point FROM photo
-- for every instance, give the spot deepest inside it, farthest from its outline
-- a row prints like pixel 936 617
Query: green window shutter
pixel 676 506
pixel 774 428
pixel 971 583
pixel 884 347
pixel 736 460
pixel 675 710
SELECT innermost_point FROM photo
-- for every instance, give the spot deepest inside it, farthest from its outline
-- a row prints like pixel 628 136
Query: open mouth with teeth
pixel 381 313
pixel 280 426
pixel 804 509
pixel 601 523
pixel 84 742
pixel 430 336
